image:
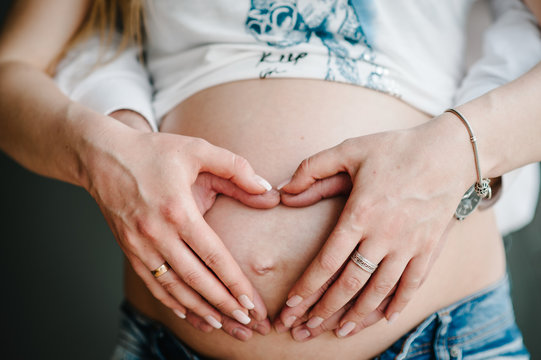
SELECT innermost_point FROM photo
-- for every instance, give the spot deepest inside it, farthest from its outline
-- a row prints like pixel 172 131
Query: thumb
pixel 339 184
pixel 266 200
pixel 319 166
pixel 230 166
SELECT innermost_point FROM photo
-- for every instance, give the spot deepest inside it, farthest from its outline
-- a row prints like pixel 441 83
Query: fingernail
pixel 301 334
pixel 393 318
pixel 241 317
pixel 314 322
pixel 240 334
pixel 205 327
pixel 179 313
pixel 263 182
pixel 262 329
pixel 346 329
pixel 283 183
pixel 289 321
pixel 246 302
pixel 294 301
pixel 213 322
pixel 279 326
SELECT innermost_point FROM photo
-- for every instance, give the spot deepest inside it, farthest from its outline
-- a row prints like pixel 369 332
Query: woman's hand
pixel 153 189
pixel 405 186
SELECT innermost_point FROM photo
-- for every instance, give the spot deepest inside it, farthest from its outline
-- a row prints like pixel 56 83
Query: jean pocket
pixel 500 342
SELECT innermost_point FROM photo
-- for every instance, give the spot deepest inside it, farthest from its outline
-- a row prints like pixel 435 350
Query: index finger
pixel 230 166
pixel 336 251
pixel 206 244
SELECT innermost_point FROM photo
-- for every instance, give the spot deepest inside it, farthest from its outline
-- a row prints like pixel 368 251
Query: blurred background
pixel 62 270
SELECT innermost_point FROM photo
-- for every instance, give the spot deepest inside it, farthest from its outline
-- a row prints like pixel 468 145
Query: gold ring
pixel 160 270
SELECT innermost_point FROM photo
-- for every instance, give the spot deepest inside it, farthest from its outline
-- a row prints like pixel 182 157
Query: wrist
pixel 451 144
pixel 94 138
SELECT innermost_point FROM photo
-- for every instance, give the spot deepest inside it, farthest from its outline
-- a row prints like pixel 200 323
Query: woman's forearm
pixel 507 123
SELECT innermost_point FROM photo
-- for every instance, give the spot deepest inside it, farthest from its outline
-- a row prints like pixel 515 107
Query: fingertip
pixel 263 328
pixel 246 302
pixel 241 333
pixel 300 334
pixel 263 183
pixel 180 314
pixel 294 301
pixel 392 319
pixel 279 326
pixel 283 183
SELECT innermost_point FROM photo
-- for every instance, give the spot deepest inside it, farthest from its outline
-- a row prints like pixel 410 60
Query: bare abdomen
pixel 275 124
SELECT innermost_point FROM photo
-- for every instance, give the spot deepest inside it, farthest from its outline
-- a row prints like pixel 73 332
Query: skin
pixel 92 151
pixel 152 200
pixel 398 216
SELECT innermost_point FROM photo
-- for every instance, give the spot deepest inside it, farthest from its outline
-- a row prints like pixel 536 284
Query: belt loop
pixel 440 341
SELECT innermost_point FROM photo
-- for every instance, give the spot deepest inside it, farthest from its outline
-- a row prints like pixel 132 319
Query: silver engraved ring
pixel 363 262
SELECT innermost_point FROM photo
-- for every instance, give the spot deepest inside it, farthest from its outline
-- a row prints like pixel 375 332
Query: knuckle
pixel 401 301
pixel 305 165
pixel 357 214
pixel 171 211
pixel 198 143
pixel 412 283
pixel 327 326
pixel 145 227
pixel 329 263
pixel 192 278
pixel 325 310
pixel 231 285
pixel 169 285
pixel 351 284
pixel 240 163
pixel 222 305
pixel 358 314
pixel 213 260
pixel 382 287
pixel 131 243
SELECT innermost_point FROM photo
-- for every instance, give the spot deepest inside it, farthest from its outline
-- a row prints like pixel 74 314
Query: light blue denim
pixel 480 326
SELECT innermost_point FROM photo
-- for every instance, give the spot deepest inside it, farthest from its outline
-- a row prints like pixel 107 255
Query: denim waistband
pixel 480 326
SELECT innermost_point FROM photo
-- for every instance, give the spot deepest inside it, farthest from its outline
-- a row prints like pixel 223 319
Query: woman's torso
pixel 275 124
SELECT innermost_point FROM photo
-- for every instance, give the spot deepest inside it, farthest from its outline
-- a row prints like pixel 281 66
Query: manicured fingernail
pixel 283 183
pixel 289 321
pixel 179 313
pixel 314 322
pixel 263 183
pixel 346 329
pixel 240 334
pixel 213 322
pixel 241 317
pixel 294 301
pixel 246 302
pixel 393 318
pixel 301 334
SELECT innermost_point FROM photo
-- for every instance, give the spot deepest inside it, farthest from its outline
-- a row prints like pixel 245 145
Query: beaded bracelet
pixel 481 189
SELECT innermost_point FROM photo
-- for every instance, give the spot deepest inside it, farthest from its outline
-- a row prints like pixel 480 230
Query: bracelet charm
pixel 481 189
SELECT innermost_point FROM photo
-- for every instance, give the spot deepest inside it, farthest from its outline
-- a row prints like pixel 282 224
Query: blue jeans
pixel 480 326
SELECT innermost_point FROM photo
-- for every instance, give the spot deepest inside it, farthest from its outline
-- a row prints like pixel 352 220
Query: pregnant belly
pixel 275 124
